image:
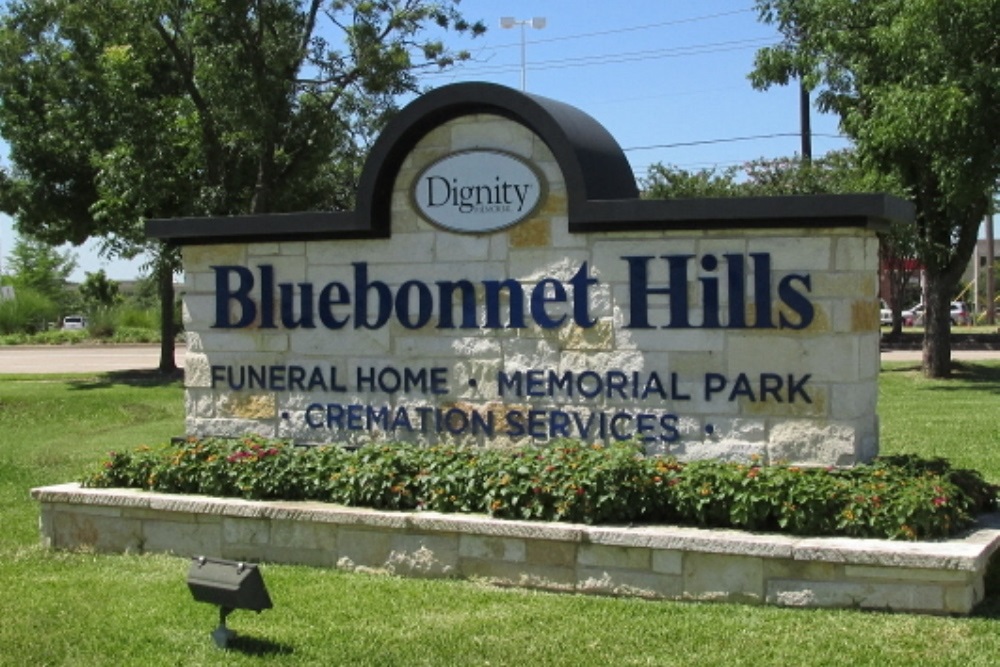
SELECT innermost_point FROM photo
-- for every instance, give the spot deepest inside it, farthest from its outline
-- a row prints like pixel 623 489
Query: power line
pixel 617 31
pixel 705 142
pixel 614 58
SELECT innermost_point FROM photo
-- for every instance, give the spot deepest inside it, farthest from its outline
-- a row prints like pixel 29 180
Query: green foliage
pixel 50 337
pixel 915 85
pixel 168 109
pixel 123 110
pixel 666 182
pixel 28 312
pixel 125 325
pixel 35 265
pixel 23 322
pixel 837 172
pixel 143 295
pixel 901 497
pixel 98 292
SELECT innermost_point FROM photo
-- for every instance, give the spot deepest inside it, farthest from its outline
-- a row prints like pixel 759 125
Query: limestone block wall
pixel 798 390
pixel 659 562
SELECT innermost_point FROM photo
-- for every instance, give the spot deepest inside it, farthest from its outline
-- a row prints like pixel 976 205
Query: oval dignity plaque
pixel 477 191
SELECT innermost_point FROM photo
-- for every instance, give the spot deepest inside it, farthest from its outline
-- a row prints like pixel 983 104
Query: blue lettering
pixel 218 375
pixel 425 304
pixel 240 295
pixel 507 383
pixel 714 383
pixel 762 289
pixel 355 417
pixel 798 388
pixel 741 387
pixel 539 299
pixel 334 294
pixel 770 385
pixel 669 425
pixel 378 417
pixel 415 304
pixel 310 422
pixel 796 301
pixel 446 294
pixel 559 423
pixel 644 424
pixel 619 417
pixel 383 298
pixel 515 423
pixel 536 423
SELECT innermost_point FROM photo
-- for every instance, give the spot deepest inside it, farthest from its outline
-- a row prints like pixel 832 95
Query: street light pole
pixel 537 23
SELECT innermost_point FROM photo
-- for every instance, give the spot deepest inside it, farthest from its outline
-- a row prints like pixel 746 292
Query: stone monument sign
pixel 501 281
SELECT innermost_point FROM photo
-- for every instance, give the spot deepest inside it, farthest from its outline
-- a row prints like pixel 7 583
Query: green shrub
pixel 29 312
pixel 58 337
pixel 112 325
pixel 102 323
pixel 125 334
pixel 138 318
pixel 893 497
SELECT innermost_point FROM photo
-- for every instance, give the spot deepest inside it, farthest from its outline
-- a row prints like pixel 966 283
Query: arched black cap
pixel 593 164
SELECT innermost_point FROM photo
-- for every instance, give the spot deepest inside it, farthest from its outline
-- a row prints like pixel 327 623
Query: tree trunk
pixel 898 278
pixel 165 281
pixel 937 327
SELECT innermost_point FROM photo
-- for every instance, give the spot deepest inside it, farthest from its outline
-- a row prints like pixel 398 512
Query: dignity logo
pixel 478 191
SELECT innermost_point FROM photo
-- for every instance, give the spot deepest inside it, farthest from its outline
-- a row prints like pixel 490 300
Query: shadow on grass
pixel 964 376
pixel 132 378
pixel 988 608
pixel 254 646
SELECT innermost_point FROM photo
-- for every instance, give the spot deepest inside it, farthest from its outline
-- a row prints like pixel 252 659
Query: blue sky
pixel 668 79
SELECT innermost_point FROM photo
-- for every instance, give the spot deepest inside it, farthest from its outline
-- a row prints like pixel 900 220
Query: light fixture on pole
pixel 509 22
pixel 231 585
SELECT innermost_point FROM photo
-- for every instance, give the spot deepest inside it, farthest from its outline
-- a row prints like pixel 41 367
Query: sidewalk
pixel 956 355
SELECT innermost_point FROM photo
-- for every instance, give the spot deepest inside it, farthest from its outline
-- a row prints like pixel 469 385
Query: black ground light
pixel 231 585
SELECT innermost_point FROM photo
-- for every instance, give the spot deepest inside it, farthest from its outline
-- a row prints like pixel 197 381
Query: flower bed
pixel 893 497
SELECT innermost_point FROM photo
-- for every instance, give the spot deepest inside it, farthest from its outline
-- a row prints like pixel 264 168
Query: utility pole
pixel 805 123
pixel 991 263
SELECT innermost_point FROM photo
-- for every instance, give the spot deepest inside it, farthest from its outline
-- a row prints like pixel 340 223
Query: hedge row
pixel 901 497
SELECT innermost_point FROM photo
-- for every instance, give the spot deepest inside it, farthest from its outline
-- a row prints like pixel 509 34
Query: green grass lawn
pixel 85 609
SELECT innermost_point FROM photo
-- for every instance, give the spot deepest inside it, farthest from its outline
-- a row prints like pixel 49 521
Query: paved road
pixel 82 359
pixel 956 355
pixel 96 359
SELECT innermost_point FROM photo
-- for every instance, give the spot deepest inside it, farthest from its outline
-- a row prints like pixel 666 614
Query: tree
pixel 837 172
pixel 915 86
pixel 98 291
pixel 36 265
pixel 121 110
pixel 666 182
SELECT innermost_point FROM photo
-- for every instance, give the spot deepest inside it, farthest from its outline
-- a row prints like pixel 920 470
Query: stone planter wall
pixel 945 577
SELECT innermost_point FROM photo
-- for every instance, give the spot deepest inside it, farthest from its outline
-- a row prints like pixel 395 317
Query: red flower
pixel 939 501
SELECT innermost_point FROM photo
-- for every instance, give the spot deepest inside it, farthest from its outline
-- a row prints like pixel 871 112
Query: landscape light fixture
pixel 509 22
pixel 231 585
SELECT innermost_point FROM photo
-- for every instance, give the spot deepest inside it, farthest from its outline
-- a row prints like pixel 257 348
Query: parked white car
pixel 884 314
pixel 74 322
